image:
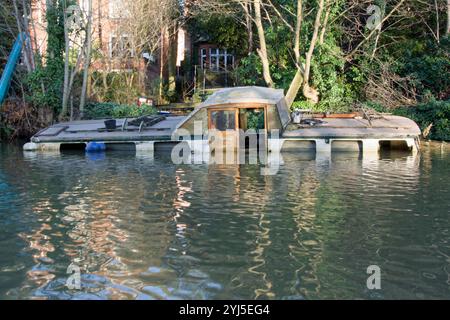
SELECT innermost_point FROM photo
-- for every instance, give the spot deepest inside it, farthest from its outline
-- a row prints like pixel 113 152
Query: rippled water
pixel 147 229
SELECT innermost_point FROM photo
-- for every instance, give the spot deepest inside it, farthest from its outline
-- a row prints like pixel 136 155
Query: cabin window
pixel 223 120
pixel 251 118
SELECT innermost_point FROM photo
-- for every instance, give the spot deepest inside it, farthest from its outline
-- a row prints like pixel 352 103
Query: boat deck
pixel 385 127
pixel 94 130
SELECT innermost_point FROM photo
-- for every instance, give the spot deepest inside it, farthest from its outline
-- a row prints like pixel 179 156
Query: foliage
pixel 329 78
pixel 45 83
pixel 114 110
pixel 249 72
pixel 434 112
pixel 428 64
pixel 117 87
pixel 303 105
pixel 20 120
pixel 220 29
pixel 7 39
pixel 255 120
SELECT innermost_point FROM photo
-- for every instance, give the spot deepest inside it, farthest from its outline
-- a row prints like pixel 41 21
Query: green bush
pixel 120 87
pixel 302 104
pixel 434 112
pixel 113 110
pixel 249 71
pixel 329 78
pixel 255 120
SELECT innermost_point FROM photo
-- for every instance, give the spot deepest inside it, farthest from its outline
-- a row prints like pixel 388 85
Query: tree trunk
pixel 248 23
pixel 87 59
pixel 448 17
pixel 294 88
pixel 301 77
pixel 27 45
pixel 438 38
pixel 69 73
pixel 66 86
pixel 298 27
pixel 310 93
pixel 262 50
pixel 313 42
pixel 22 29
pixel 325 22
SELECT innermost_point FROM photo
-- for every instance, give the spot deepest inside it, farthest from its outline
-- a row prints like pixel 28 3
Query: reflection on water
pixel 142 228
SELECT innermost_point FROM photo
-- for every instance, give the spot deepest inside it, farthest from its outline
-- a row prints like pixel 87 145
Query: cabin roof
pixel 244 95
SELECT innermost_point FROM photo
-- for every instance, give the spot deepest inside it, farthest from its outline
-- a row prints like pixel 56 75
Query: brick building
pixel 180 58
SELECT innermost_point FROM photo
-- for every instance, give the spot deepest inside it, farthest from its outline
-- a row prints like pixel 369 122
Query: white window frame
pixel 225 55
pixel 217 56
pixel 203 57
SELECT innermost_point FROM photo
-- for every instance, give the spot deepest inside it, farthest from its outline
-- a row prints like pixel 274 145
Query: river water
pixel 143 228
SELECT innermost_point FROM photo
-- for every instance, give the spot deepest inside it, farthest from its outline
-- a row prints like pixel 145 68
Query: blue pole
pixel 10 66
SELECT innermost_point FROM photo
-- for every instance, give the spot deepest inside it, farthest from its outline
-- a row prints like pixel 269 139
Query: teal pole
pixel 10 66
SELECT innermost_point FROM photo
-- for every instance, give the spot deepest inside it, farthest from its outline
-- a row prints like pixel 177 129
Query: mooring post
pixel 323 146
pixel 371 145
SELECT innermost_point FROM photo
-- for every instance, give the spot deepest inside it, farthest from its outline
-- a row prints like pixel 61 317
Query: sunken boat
pixel 230 111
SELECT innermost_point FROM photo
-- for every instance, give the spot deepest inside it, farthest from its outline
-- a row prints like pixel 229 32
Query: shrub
pixel 113 110
pixel 120 87
pixel 434 112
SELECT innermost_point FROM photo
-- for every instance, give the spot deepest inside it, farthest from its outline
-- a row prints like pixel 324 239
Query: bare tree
pixel 87 59
pixel 142 21
pixel 448 17
pixel 75 51
pixel 142 29
pixel 21 16
pixel 262 50
pixel 249 24
pixel 301 78
pixel 262 13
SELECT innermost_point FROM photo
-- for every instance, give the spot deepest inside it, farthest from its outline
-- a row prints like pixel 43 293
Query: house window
pixel 214 59
pixel 220 59
pixel 120 47
pixel 203 57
